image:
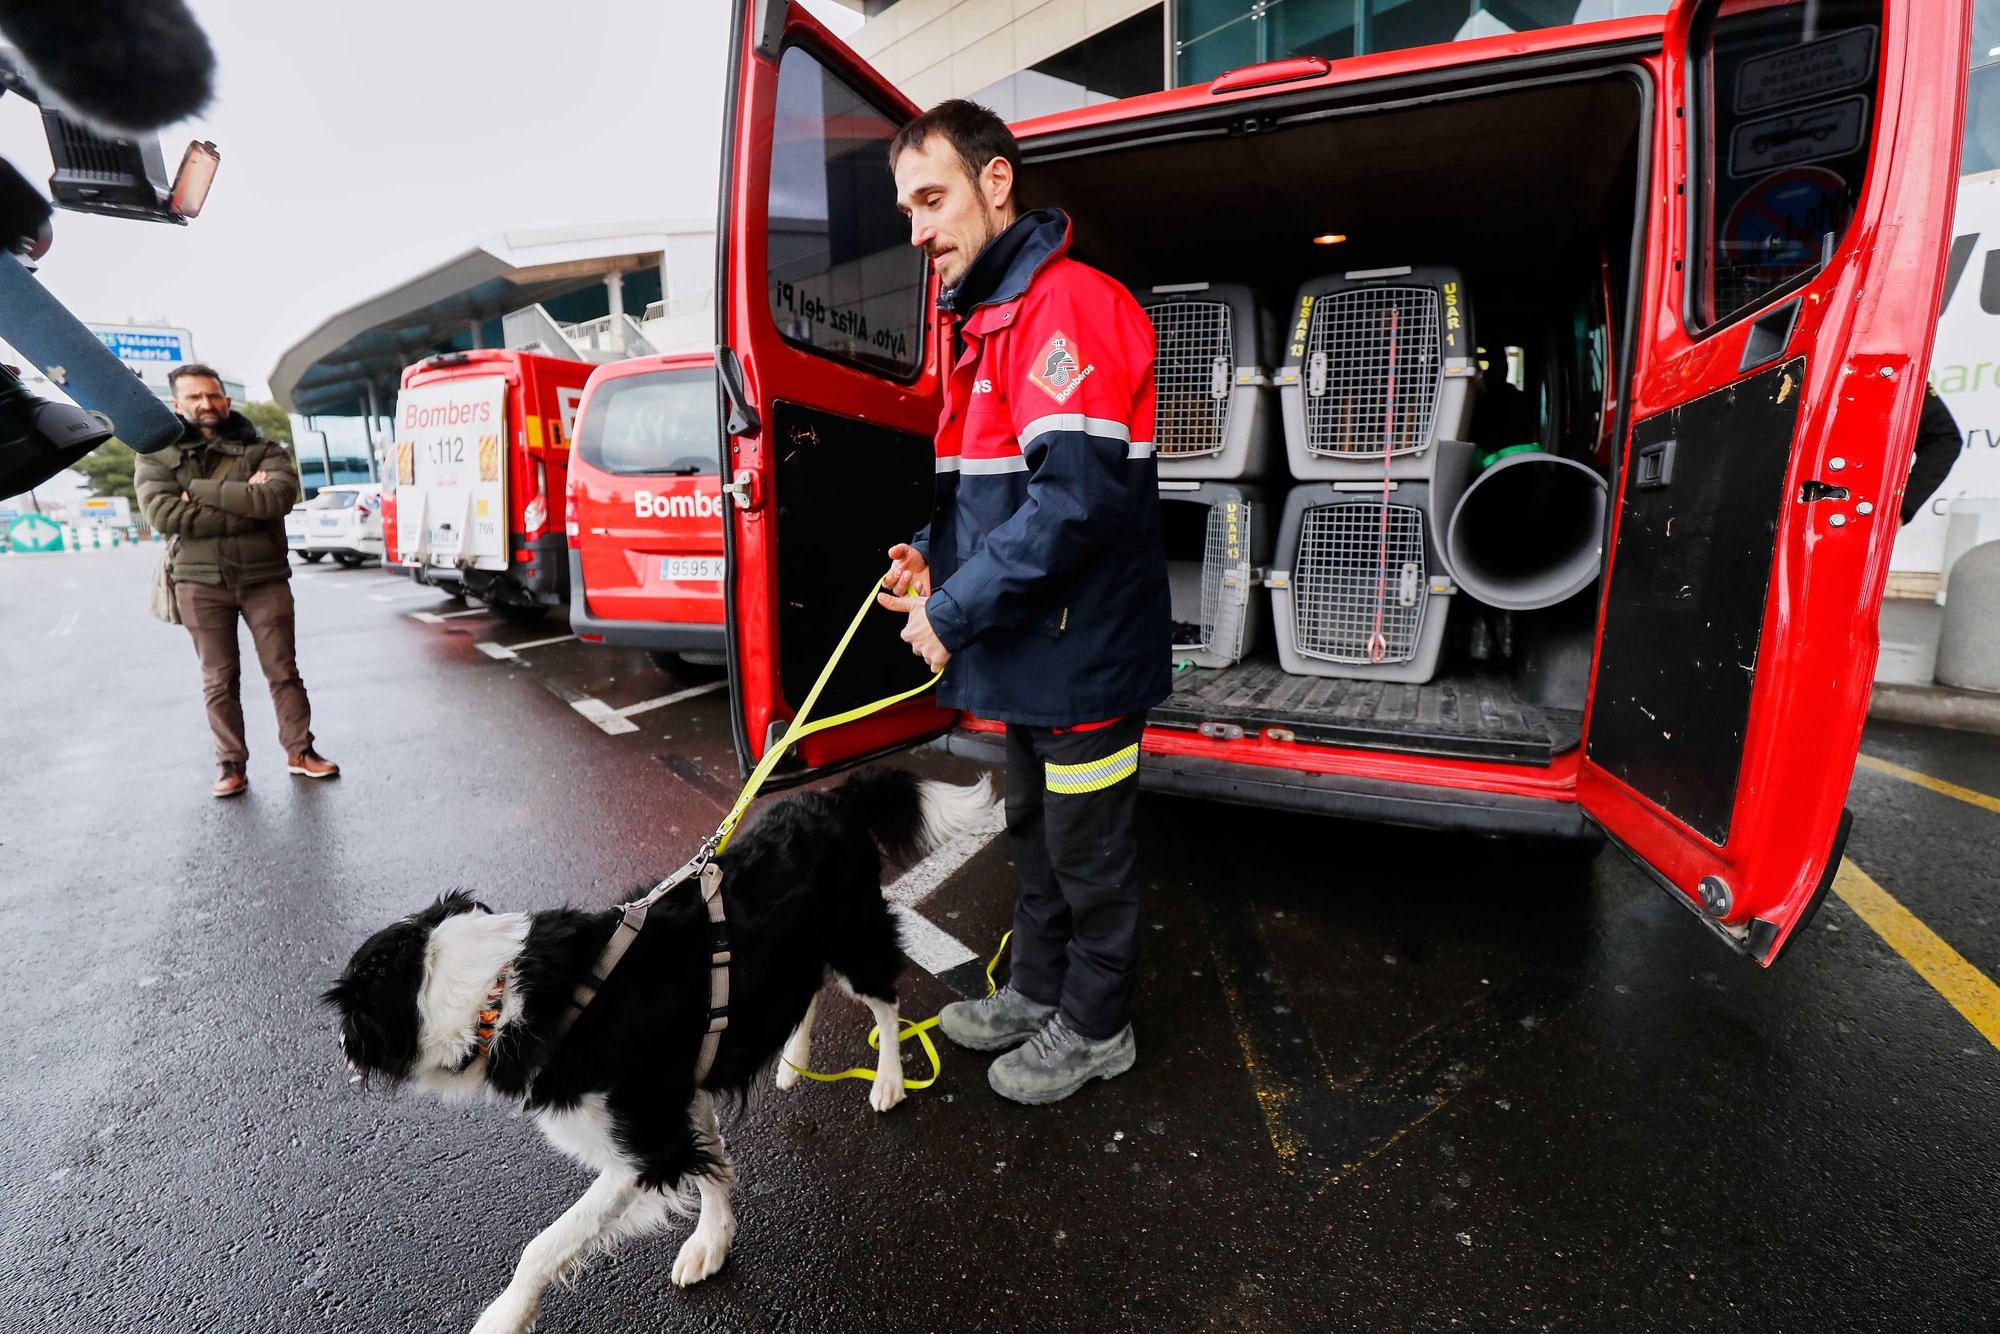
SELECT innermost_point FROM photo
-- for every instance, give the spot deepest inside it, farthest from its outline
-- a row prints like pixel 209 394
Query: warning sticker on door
pixel 1833 129
pixel 1807 72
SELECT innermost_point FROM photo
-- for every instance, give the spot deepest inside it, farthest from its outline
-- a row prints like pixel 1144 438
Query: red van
pixel 481 453
pixel 1743 313
pixel 644 510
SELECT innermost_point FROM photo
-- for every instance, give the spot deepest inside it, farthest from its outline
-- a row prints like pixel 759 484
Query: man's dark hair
pixel 192 368
pixel 976 134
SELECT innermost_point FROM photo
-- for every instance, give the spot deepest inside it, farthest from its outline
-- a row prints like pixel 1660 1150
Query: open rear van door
pixel 827 367
pixel 1807 157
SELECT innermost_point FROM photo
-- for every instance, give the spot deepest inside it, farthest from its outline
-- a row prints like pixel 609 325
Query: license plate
pixel 329 525
pixel 693 569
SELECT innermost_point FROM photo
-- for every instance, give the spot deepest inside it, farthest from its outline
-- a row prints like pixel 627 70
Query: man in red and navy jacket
pixel 1040 587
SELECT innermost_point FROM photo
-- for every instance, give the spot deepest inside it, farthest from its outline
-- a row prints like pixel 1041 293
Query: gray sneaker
pixel 992 1022
pixel 1058 1061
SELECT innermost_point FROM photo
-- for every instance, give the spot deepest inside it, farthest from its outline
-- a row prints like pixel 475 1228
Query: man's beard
pixel 990 225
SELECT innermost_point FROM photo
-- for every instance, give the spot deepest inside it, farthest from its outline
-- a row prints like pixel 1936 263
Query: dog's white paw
pixel 701 1255
pixel 888 1091
pixel 787 1076
pixel 507 1315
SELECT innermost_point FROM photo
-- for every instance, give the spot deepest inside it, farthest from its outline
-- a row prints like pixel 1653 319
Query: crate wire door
pixel 1225 578
pixel 1347 371
pixel 1339 588
pixel 1194 367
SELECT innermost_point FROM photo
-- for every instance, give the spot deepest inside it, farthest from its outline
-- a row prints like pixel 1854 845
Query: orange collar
pixel 489 1018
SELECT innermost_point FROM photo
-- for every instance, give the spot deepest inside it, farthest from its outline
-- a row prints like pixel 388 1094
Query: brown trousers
pixel 210 615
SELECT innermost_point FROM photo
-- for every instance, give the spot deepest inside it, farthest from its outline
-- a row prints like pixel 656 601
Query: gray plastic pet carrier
pixel 1358 592
pixel 1215 418
pixel 1380 360
pixel 1219 538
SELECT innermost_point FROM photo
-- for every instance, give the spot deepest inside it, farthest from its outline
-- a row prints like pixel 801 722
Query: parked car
pixel 644 510
pixel 481 452
pixel 1738 359
pixel 343 521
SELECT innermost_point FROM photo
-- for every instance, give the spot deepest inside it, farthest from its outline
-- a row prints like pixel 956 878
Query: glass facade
pixel 1124 60
pixel 1211 36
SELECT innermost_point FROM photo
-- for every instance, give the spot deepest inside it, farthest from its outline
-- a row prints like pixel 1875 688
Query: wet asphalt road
pixel 1387 1081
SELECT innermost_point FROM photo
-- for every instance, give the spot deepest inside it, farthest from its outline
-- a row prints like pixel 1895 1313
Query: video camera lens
pixel 40 437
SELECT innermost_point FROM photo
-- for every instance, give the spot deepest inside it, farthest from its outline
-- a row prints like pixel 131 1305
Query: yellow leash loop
pixel 799 729
pixel 920 1030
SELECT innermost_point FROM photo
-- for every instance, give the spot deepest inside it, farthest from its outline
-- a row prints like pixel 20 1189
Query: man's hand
pixel 923 640
pixel 908 572
pixel 259 476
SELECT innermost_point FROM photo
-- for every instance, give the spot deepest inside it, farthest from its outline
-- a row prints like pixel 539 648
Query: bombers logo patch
pixel 1056 370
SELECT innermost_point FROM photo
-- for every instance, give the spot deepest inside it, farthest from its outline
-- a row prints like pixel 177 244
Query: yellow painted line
pixel 1272 1098
pixel 1971 992
pixel 1965 794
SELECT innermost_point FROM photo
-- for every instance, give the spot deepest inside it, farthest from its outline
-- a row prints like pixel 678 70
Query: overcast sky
pixel 367 140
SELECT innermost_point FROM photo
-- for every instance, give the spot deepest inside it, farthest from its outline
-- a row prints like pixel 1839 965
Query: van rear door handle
pixel 743 489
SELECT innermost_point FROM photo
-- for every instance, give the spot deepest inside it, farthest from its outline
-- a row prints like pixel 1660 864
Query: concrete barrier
pixel 1968 655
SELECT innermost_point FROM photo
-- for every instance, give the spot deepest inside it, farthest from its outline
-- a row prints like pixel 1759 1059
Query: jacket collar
pixel 237 430
pixel 1000 274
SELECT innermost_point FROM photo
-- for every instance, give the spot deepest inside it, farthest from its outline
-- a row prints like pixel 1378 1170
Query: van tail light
pixel 535 514
pixel 570 529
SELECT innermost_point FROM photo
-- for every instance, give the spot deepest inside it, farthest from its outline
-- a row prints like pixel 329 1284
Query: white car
pixel 343 521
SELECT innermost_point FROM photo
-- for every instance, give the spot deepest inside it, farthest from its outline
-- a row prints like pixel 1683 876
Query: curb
pixel 1937 706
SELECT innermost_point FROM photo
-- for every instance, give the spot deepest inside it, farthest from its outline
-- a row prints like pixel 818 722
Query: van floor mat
pixel 1475 715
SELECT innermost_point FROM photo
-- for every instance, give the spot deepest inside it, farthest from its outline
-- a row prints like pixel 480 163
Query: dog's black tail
pixel 910 816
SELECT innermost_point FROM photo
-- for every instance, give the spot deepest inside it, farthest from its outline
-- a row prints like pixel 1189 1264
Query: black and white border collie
pixel 466 1002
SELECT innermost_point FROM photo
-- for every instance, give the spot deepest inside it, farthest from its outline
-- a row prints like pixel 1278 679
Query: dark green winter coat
pixel 231 531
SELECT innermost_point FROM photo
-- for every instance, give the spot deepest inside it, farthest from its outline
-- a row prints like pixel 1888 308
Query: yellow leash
pixel 799 729
pixel 912 1028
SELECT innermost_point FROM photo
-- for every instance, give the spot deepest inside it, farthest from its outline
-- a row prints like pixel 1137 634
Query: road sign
pixel 114 510
pixel 34 532
pixel 142 345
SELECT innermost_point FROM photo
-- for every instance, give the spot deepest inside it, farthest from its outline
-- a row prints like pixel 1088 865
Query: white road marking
pixel 647 706
pixel 64 626
pixel 613 722
pixel 406 596
pixel 437 617
pixel 929 946
pixel 923 880
pixel 503 652
pixel 589 706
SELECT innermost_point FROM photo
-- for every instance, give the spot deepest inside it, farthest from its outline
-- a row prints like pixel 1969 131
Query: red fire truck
pixel 644 512
pixel 481 453
pixel 1713 240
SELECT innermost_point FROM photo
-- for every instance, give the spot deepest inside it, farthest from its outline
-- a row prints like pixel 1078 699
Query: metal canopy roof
pixel 330 369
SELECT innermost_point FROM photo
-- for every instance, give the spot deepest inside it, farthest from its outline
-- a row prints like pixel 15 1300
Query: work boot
pixel 233 781
pixel 1058 1061
pixel 308 764
pixel 992 1022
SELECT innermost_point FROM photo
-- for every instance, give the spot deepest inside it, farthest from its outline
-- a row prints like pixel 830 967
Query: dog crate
pixel 1358 589
pixel 1214 417
pixel 1380 361
pixel 1219 538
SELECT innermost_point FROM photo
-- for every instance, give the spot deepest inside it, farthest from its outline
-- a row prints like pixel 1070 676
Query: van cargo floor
pixel 1471 715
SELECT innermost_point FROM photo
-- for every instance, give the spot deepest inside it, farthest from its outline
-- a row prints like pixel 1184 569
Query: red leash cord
pixel 1378 646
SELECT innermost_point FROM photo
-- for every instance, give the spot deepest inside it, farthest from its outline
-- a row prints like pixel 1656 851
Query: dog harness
pixel 633 921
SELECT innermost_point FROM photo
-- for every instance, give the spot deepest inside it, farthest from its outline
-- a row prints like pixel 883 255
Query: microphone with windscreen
pixel 127 64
